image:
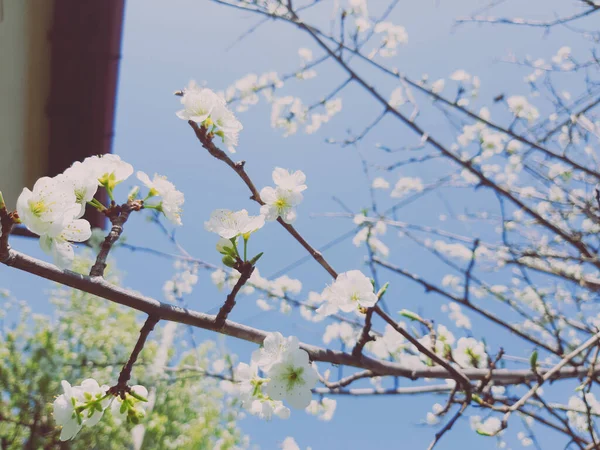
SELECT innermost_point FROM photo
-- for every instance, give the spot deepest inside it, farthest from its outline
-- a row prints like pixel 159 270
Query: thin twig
pixel 118 215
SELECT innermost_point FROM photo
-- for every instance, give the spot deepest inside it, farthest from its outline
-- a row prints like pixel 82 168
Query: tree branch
pixel 164 311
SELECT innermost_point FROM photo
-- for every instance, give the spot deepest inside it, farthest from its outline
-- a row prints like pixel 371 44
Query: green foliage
pixel 89 337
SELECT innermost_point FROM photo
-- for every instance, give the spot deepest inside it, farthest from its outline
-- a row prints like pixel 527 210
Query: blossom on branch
pixel 520 107
pixel 130 408
pixel 292 378
pixel 49 207
pixel 170 198
pixel 469 352
pixel 208 109
pixel 83 182
pixel 281 201
pixel 350 290
pixel 230 224
pixel 79 406
pixel 108 169
pixel 59 246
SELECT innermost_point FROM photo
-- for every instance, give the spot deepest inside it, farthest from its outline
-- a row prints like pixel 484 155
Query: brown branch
pixel 365 335
pixel 548 375
pixel 245 269
pixel 429 287
pixel 456 374
pixel 349 379
pixel 448 426
pixel 121 387
pixel 205 139
pixel 118 215
pixel 165 311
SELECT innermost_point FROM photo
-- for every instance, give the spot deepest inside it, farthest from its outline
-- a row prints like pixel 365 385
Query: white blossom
pixel 83 182
pixel 520 107
pixel 170 198
pixel 108 169
pixel 323 409
pixel 198 103
pixel 406 185
pixel 341 330
pixel 293 182
pixel 134 408
pixel 279 202
pixel 438 86
pixel 292 378
pixel 349 291
pixel 469 352
pixel 85 396
pixel 274 347
pixel 380 183
pixel 49 207
pixel 306 54
pixel 393 35
pixel 227 126
pixel 490 427
pixel 578 416
pixel 229 224
pixel 58 245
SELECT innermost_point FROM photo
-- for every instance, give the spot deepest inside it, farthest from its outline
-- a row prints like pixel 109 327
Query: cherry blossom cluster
pixel 288 376
pixel 208 109
pixel 84 405
pixel 246 89
pixel 279 202
pixel 55 207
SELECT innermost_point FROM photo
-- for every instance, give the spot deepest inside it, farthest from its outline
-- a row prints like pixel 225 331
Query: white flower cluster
pixel 286 113
pixel 350 291
pixel 332 107
pixel 84 405
pixel 359 10
pixel 323 409
pixel 563 59
pixel 53 209
pixel 406 185
pixel 205 107
pixel 182 282
pixel 369 232
pixel 171 199
pixel 289 376
pixel 520 107
pixel 470 352
pixel 390 345
pixel 470 84
pixel 466 352
pixel 245 90
pixel 393 35
pixel 489 427
pixel 578 411
pixel 280 201
pixel 455 313
pixel 343 331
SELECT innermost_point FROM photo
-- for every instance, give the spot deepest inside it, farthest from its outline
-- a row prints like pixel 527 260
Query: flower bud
pixel 228 261
pixel 226 247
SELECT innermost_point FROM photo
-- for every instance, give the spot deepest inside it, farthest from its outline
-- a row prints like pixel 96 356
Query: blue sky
pixel 168 43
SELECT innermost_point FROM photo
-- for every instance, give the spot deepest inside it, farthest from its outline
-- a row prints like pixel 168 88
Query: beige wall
pixel 24 86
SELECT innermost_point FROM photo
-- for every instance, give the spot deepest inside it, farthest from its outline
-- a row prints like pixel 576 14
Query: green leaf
pixel 254 260
pixel 410 315
pixel 228 261
pixel 533 360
